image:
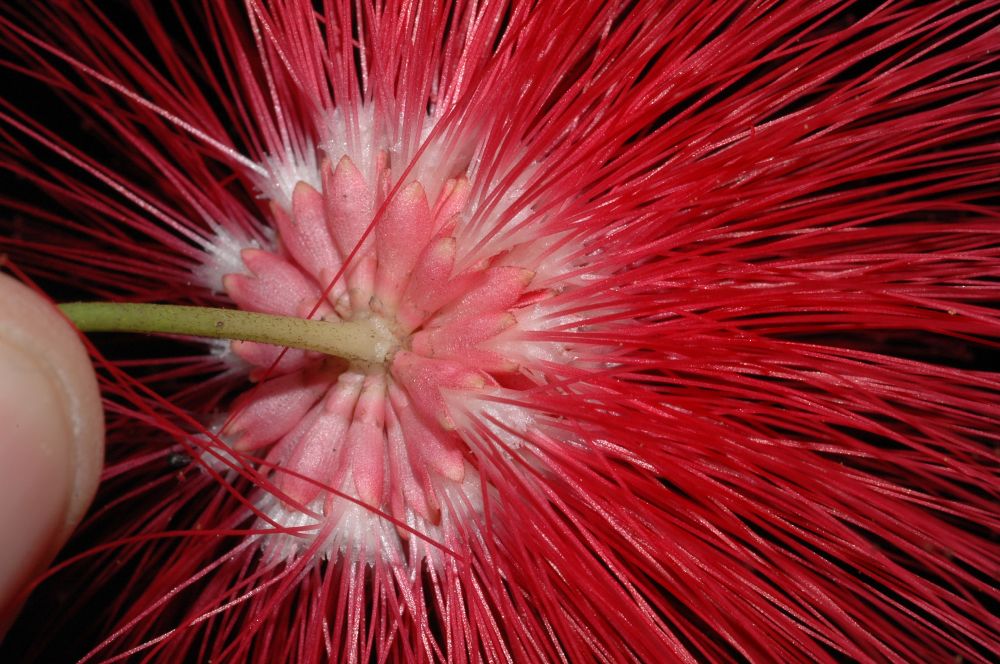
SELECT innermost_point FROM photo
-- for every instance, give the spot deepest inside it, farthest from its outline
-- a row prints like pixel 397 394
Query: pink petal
pixel 348 204
pixel 305 235
pixel 271 409
pixel 429 445
pixel 424 379
pixel 452 201
pixel 265 356
pixel 320 453
pixel 367 439
pixel 400 236
pixel 498 290
pixel 277 287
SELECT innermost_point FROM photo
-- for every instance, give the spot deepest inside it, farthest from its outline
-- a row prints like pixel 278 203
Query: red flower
pixel 673 318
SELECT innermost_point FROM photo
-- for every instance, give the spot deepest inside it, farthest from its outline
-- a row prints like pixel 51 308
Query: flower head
pixel 672 316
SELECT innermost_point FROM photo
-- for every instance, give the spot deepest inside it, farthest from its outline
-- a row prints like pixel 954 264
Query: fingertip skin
pixel 51 435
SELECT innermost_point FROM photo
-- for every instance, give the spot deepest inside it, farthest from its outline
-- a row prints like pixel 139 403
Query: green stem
pixel 363 340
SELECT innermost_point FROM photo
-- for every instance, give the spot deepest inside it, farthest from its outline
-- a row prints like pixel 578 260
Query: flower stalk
pixel 356 341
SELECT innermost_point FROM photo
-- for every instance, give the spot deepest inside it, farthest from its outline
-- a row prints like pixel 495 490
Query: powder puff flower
pixel 658 328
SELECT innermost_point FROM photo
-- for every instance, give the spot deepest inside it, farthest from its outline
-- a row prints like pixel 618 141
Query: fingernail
pixel 35 473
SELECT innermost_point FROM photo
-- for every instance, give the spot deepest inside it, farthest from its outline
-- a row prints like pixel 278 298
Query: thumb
pixel 51 437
